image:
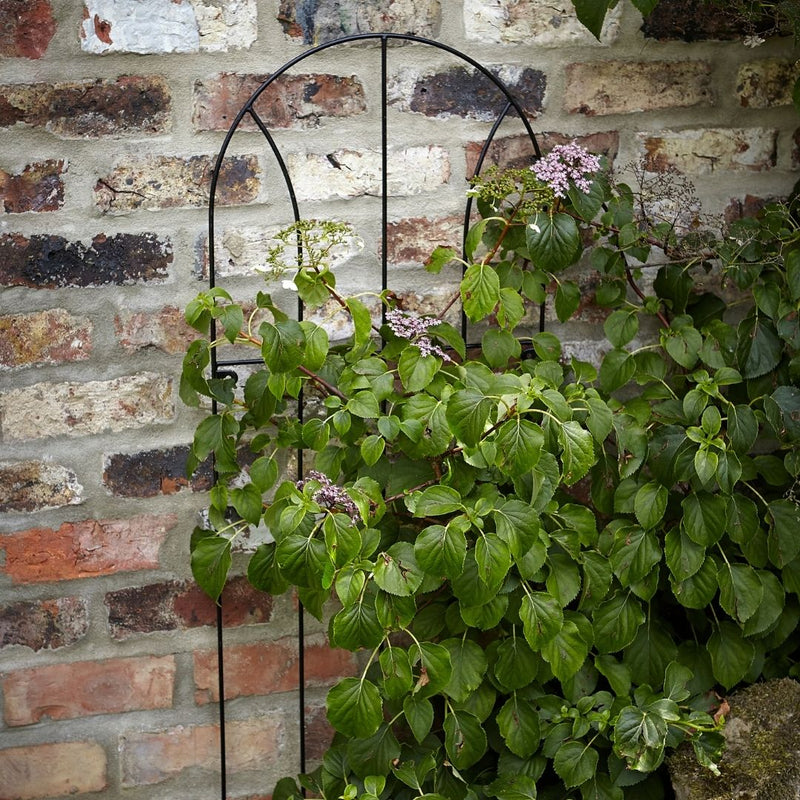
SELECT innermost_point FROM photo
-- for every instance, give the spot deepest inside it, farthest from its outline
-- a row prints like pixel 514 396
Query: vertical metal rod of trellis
pixel 220 368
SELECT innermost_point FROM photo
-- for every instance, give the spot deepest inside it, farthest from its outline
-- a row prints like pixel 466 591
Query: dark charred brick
pixel 44 624
pixel 51 262
pixel 177 605
pixel 747 206
pixel 28 26
pixel 292 100
pixel 38 187
pixel 319 732
pixel 470 94
pixel 516 152
pixel 698 20
pixel 324 20
pixel 154 472
pixel 90 109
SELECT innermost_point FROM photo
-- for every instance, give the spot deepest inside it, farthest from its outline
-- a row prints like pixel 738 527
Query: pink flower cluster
pixel 411 326
pixel 565 164
pixel 331 496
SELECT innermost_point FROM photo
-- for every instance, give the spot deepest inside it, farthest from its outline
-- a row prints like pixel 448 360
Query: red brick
pixel 153 472
pixel 44 624
pixel 263 668
pixel 412 240
pixel 85 549
pixel 49 261
pixel 178 605
pixel 149 757
pixel 626 87
pixel 28 26
pixel 157 182
pixel 747 206
pixel 291 101
pixel 44 337
pixel 131 104
pixel 515 152
pixel 38 187
pixel 319 732
pixel 37 485
pixel 52 770
pixel 86 688
pixel 165 330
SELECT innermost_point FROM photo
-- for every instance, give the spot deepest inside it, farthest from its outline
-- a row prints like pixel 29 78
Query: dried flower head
pixel 329 495
pixel 567 164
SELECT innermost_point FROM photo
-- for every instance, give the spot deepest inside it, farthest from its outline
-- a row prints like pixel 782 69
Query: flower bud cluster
pixel 329 495
pixel 411 326
pixel 565 164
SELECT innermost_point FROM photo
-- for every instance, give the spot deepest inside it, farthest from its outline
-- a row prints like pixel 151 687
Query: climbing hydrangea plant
pixel 555 570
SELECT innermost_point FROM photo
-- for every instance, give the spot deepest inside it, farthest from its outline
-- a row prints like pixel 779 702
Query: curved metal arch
pixel 221 367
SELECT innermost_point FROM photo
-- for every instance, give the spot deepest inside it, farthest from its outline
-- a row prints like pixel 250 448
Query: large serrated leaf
pixel 354 707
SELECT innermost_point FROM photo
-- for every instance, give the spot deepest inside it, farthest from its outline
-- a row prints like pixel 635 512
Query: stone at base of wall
pixel 762 757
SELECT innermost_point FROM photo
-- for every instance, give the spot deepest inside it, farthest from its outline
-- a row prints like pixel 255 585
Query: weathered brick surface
pixel 149 757
pixel 517 151
pixel 291 101
pixel 266 667
pixel 52 262
pixel 353 173
pixel 43 337
pixel 690 21
pixel 329 19
pixel 165 330
pixel 158 182
pixel 39 187
pixel 85 549
pixel 747 206
pixel 701 152
pixel 178 605
pixel 624 87
pixel 466 92
pixel 319 732
pixel 28 26
pixel 537 22
pixel 86 688
pixel 52 770
pixel 37 485
pixel 767 83
pixel 153 472
pixel 412 240
pixel 131 104
pixel 81 409
pixel 44 624
pixel 164 26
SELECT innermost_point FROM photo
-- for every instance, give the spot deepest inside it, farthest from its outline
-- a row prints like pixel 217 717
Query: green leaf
pixel 434 665
pixel 396 670
pixel 436 501
pixel 783 412
pixel 397 572
pixel 759 347
pixel 634 554
pixel 283 345
pixel 519 445
pixel 362 321
pixel 742 428
pixel 515 664
pixel 684 557
pixel 621 326
pixel 740 590
pixel 247 502
pixel 317 344
pixel 371 757
pixel 698 590
pixel 469 665
pixel 640 737
pixel 554 241
pixel 372 449
pixel 499 347
pixel 419 715
pixel 704 517
pixel 577 451
pixel 566 651
pixel 354 707
pixel 440 257
pixel 493 559
pixel 591 14
pixel 731 654
pixel 616 622
pixel 262 571
pixel 464 739
pixel 649 654
pixel 769 609
pixel 541 617
pixel 650 504
pixel 440 550
pixel 480 291
pixel 567 300
pixel 617 369
pixel 416 370
pixel 575 763
pixel 784 533
pixel 518 721
pixel 467 413
pixel 263 473
pixel 364 404
pixel 513 787
pixel 211 561
pixel 601 788
pixel 301 558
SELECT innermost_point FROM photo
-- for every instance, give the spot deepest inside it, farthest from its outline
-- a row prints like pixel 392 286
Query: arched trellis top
pixel 248 110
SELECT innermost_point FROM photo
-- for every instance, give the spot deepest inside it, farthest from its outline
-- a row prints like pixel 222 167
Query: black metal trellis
pixel 224 367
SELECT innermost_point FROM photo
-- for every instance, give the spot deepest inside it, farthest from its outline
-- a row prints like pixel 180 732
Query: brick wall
pixel 111 112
